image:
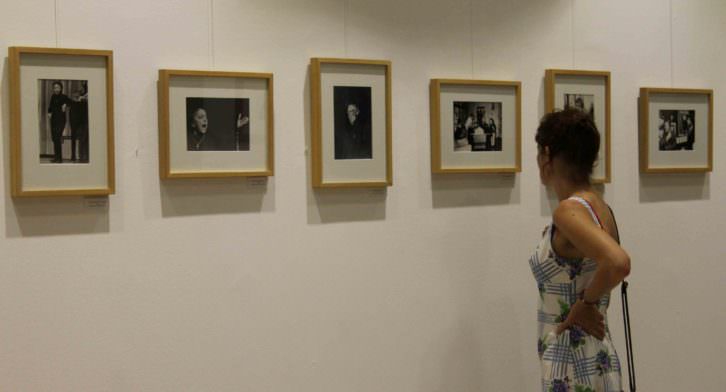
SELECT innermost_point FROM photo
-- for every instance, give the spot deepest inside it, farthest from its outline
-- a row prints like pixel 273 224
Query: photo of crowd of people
pixel 676 130
pixel 63 115
pixel 477 126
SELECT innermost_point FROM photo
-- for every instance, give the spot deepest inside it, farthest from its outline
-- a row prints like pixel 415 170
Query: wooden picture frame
pixel 371 164
pixel 586 84
pixel 499 147
pixel 679 136
pixel 90 74
pixel 224 95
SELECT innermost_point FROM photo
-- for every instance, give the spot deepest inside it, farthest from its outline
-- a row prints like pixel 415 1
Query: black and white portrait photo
pixel 218 124
pixel 676 129
pixel 63 116
pixel 584 102
pixel 352 111
pixel 477 126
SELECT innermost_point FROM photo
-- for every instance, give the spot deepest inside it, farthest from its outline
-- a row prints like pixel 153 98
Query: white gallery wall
pixel 229 285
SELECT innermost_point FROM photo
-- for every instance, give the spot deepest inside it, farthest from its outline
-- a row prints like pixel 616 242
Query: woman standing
pixel 577 263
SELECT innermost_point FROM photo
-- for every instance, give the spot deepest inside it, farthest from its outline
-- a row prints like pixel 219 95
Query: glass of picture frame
pixel 590 92
pixel 351 123
pixel 676 130
pixel 62 125
pixel 215 124
pixel 476 126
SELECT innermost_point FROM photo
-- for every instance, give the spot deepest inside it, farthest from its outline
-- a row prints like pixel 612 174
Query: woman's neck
pixel 565 188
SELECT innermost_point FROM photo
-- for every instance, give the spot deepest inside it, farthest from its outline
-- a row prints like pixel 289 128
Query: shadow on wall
pixel 188 197
pixel 339 204
pixel 467 190
pixel 56 216
pixel 674 187
pixel 457 365
pixel 458 361
pixel 346 205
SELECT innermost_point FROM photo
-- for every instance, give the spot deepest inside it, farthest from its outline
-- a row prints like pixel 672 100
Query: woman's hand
pixel 587 317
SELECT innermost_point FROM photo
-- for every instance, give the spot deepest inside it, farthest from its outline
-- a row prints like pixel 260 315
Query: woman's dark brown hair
pixel 572 136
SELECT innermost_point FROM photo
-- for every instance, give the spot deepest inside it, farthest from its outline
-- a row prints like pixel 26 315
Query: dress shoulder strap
pixel 587 205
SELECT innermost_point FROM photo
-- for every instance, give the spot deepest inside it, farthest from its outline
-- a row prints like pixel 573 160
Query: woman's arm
pixel 613 264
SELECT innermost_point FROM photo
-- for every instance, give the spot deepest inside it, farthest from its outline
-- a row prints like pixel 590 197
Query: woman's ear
pixel 544 155
pixel 551 164
pixel 546 152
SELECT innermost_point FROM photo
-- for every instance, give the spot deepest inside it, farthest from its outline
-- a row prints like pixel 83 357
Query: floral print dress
pixel 572 361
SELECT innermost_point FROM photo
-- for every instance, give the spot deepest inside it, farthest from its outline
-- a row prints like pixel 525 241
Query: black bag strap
pixel 628 336
pixel 626 320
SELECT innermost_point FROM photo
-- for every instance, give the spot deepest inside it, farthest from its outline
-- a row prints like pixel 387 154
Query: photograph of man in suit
pixel 57 113
pixel 79 125
pixel 352 123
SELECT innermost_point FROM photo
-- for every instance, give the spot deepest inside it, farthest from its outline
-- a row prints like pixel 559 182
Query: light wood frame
pixel 16 133
pixel 644 107
pixel 316 124
pixel 165 171
pixel 550 81
pixel 435 115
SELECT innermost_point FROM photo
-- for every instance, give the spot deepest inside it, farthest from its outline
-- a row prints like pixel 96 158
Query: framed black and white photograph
pixel 351 123
pixel 215 124
pixel 588 91
pixel 475 126
pixel 676 130
pixel 61 121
